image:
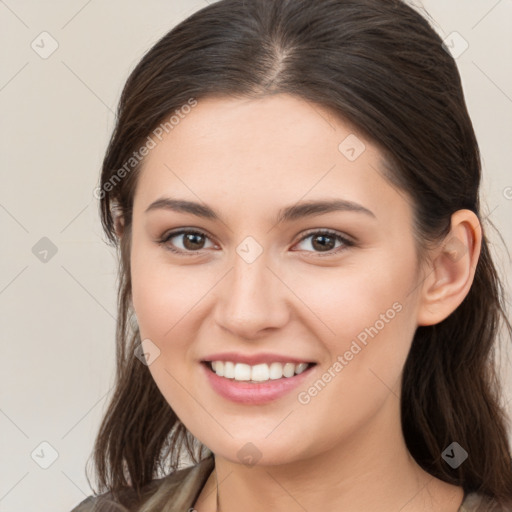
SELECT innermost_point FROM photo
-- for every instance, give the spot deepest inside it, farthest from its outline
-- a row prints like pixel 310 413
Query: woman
pixel 307 303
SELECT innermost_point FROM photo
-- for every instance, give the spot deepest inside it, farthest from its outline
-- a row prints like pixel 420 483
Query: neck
pixel 370 469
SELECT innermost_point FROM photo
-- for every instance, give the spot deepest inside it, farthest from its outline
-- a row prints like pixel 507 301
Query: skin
pixel 246 159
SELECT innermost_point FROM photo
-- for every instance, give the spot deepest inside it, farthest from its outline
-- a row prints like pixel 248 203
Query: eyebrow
pixel 287 214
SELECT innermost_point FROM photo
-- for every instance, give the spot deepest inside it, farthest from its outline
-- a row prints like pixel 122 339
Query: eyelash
pixel 346 242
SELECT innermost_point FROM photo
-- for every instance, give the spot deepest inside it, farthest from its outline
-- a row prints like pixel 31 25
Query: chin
pixel 257 453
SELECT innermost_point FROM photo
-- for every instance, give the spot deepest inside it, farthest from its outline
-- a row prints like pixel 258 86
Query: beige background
pixel 57 323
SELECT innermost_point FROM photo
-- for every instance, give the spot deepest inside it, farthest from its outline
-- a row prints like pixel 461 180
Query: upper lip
pixel 253 359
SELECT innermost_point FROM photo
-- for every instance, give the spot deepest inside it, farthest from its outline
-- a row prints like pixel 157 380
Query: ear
pixel 118 219
pixel 452 269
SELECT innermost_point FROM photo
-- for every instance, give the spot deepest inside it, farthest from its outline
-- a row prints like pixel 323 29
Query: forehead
pixel 263 153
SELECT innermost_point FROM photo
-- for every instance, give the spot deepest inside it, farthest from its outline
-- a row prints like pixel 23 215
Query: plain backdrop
pixel 58 277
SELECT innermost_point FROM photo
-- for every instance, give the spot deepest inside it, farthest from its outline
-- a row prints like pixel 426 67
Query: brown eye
pixel 186 241
pixel 322 242
pixel 325 242
pixel 193 241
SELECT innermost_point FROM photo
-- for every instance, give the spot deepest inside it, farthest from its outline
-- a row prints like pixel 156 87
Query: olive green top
pixel 179 491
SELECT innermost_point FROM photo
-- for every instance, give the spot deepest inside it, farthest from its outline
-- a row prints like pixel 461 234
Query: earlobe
pixel 118 219
pixel 452 270
pixel 119 226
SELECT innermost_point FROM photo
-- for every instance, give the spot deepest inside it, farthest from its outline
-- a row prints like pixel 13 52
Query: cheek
pixel 163 300
pixel 163 294
pixel 367 321
pixel 362 301
pixel 367 353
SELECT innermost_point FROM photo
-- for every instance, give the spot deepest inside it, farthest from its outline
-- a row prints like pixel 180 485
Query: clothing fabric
pixel 179 491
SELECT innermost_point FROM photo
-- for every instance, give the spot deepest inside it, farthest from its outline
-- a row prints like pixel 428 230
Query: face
pixel 252 276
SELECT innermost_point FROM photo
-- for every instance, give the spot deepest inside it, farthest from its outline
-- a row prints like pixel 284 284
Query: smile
pixel 257 373
pixel 256 384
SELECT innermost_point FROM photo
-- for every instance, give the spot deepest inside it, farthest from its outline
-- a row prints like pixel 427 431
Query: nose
pixel 252 299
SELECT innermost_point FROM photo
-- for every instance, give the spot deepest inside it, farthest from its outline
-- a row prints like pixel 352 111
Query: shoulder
pixel 101 503
pixel 180 487
pixel 476 502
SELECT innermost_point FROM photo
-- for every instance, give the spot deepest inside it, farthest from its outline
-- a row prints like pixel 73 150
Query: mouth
pixel 256 374
pixel 258 384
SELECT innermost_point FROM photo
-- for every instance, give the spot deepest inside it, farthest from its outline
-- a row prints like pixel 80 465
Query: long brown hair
pixel 380 66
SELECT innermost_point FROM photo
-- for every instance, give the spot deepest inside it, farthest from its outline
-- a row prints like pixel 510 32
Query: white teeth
pixel 289 370
pixel 242 371
pixel 218 368
pixel 276 370
pixel 300 368
pixel 260 372
pixel 229 370
pixel 257 373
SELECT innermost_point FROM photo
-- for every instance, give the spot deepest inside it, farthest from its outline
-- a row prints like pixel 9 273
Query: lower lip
pixel 247 393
